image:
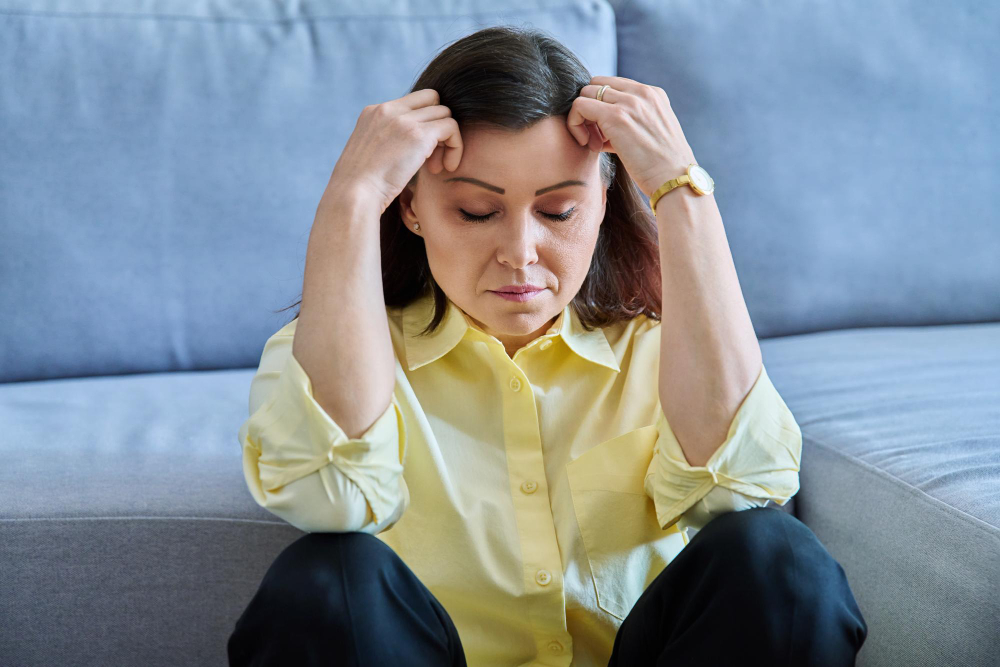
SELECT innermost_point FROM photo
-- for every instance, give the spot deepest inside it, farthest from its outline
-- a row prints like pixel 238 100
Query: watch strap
pixel 665 188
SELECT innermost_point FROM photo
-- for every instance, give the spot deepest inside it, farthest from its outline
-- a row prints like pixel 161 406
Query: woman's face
pixel 520 242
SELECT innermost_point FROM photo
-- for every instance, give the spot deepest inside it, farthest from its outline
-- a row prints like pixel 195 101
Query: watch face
pixel 701 179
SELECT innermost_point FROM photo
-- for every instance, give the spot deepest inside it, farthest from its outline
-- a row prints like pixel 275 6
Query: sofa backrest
pixel 161 162
pixel 854 147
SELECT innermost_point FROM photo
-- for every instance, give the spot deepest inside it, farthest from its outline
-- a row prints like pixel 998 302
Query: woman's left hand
pixel 635 121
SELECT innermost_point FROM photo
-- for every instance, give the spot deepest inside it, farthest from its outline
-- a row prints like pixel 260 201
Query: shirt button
pixel 529 487
pixel 555 646
pixel 515 384
pixel 543 577
pixel 545 344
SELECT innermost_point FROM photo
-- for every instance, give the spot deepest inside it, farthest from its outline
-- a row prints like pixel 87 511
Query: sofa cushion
pixel 127 492
pixel 162 161
pixel 900 477
pixel 853 146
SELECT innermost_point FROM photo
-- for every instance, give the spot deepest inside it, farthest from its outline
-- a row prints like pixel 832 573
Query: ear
pixel 406 208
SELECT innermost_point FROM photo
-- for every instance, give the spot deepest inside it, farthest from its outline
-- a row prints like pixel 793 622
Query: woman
pixel 502 466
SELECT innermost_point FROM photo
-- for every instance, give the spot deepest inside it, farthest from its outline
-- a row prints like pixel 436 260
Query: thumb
pixel 596 138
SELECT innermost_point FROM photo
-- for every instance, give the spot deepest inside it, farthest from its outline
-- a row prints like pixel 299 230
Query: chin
pixel 521 321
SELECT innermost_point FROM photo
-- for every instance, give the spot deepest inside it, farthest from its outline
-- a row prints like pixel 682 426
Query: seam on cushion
pixel 294 19
pixel 875 471
pixel 138 517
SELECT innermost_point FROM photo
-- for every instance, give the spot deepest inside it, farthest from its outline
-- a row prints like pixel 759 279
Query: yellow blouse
pixel 536 496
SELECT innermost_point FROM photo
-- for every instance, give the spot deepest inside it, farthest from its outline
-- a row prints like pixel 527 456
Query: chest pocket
pixel 625 545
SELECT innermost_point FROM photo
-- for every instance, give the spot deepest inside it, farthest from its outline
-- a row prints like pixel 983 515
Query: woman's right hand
pixel 392 140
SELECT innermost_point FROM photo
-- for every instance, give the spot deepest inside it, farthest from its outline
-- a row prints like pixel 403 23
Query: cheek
pixel 452 259
pixel 574 250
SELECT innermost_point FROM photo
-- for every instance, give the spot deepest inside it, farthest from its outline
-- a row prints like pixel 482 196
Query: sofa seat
pixel 132 539
pixel 900 428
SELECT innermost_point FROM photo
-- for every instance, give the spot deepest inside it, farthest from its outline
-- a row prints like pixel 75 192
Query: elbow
pixel 307 505
pixel 326 501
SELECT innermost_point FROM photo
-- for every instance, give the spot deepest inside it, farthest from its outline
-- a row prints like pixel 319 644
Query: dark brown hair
pixel 512 77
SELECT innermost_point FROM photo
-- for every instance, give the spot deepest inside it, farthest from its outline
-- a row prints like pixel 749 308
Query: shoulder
pixel 629 332
pixel 288 329
pixel 635 341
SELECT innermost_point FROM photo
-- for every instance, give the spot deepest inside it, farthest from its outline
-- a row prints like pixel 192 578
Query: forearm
pixel 342 338
pixel 709 354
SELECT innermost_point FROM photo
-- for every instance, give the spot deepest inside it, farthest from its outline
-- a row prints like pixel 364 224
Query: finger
pixel 433 112
pixel 435 163
pixel 420 98
pixel 619 83
pixel 449 134
pixel 596 140
pixel 586 109
pixel 580 134
pixel 594 127
pixel 611 95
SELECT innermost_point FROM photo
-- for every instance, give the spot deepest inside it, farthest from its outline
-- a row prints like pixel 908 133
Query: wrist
pixel 675 168
pixel 682 199
pixel 355 198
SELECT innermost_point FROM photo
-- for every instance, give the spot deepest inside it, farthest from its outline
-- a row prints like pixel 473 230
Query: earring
pixel 416 227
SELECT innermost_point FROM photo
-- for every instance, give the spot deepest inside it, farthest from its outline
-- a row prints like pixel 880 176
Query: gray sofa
pixel 160 165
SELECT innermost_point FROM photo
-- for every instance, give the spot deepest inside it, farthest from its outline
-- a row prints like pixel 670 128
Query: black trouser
pixel 752 587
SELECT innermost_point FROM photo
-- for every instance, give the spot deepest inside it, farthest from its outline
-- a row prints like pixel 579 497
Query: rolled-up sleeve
pixel 718 501
pixel 759 461
pixel 297 460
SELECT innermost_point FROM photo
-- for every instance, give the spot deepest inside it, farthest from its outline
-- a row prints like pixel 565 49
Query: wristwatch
pixel 696 177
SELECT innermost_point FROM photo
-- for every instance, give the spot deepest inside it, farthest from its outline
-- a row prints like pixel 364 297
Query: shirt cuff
pixel 760 458
pixel 294 437
pixel 719 500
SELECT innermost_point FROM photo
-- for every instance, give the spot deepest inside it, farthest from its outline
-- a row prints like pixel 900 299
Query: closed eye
pixel 483 218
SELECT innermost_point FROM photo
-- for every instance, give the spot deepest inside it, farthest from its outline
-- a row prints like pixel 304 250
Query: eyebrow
pixel 494 188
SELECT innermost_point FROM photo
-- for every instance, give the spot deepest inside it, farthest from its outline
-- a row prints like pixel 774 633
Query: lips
pixel 517 289
pixel 518 296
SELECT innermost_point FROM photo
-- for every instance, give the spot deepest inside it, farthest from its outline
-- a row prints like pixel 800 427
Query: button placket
pixel 522 440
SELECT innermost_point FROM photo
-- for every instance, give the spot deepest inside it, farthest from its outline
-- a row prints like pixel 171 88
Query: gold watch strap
pixel 665 188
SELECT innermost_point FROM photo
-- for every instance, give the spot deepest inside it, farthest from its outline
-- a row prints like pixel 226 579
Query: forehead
pixel 522 161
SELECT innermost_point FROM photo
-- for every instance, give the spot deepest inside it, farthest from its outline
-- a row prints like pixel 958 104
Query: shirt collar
pixel 420 350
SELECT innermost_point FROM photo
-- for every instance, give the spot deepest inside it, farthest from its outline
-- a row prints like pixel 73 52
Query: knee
pixel 316 566
pixel 771 549
pixel 310 599
pixel 767 560
pixel 779 561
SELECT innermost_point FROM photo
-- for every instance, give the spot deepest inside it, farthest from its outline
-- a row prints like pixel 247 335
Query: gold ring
pixel 600 93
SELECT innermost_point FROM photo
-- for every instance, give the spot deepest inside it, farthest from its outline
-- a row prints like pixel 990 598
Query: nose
pixel 517 245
